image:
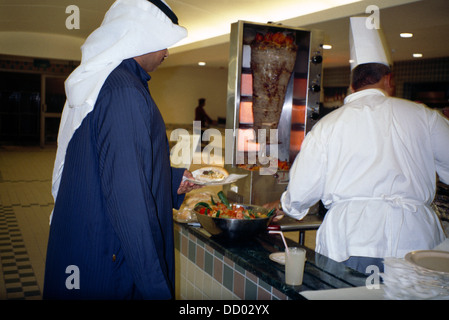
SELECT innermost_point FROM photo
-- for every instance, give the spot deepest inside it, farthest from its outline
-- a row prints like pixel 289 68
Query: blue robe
pixel 111 235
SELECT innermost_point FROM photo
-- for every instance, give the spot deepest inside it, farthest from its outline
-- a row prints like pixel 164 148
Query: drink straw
pixel 283 238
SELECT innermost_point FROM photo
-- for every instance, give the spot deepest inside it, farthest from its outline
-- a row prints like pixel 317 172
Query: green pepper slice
pixel 202 204
pixel 269 214
pixel 223 199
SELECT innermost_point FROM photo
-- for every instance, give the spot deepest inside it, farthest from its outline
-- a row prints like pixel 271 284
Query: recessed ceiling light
pixel 406 35
pixel 417 55
pixel 202 63
pixel 327 46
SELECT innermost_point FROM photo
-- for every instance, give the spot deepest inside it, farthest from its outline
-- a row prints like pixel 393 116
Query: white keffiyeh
pixel 130 28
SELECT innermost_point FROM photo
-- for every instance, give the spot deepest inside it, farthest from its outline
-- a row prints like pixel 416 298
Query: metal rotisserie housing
pixel 274 94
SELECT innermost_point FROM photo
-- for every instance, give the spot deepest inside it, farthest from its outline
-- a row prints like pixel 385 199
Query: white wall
pixel 176 91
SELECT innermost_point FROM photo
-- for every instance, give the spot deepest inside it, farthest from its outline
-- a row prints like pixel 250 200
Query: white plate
pixel 230 179
pixel 199 172
pixel 278 257
pixel 430 259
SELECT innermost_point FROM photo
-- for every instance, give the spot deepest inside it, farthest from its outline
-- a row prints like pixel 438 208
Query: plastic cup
pixel 294 266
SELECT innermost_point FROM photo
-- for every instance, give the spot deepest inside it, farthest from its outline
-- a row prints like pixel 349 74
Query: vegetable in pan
pixel 223 209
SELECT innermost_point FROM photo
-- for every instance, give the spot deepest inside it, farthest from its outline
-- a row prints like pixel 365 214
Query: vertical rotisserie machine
pixel 268 130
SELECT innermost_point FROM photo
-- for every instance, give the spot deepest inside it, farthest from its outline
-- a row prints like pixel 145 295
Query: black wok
pixel 235 229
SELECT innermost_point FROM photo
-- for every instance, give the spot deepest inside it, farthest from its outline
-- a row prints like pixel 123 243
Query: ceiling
pixel 39 26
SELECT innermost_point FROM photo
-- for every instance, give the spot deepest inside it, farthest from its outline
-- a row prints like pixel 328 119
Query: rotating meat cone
pixel 273 58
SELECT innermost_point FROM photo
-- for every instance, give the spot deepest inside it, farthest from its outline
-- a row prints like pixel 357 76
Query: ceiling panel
pixel 427 19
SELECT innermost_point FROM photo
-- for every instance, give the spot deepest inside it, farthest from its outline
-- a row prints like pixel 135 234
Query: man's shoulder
pixel 123 87
pixel 122 76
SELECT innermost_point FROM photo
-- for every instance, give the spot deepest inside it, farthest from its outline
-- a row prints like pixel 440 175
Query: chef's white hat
pixel 367 44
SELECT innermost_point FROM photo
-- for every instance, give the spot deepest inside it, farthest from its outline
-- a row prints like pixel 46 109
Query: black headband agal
pixel 166 10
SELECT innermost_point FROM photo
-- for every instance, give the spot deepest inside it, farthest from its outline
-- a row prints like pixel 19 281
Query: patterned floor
pixel 25 205
pixel 19 278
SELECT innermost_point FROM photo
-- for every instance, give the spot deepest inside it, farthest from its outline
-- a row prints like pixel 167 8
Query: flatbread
pixel 210 174
pixel 192 199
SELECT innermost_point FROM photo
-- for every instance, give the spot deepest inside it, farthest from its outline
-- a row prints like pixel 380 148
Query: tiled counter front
pixel 203 273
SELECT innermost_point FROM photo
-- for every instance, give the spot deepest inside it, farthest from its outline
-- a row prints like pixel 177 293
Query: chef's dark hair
pixel 368 74
pixel 165 9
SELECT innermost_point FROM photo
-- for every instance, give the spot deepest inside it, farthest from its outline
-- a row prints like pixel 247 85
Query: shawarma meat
pixel 273 57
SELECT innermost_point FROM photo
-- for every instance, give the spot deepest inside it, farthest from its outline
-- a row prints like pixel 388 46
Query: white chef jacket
pixel 373 163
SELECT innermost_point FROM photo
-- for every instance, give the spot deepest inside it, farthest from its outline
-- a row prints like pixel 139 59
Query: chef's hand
pixel 187 186
pixel 278 214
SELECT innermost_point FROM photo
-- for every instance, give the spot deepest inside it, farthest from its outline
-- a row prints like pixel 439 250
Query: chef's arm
pixel 439 137
pixel 306 183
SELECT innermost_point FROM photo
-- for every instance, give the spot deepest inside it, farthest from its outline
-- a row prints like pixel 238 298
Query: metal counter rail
pixel 309 222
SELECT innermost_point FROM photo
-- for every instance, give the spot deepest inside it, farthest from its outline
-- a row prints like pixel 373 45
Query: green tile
pixel 218 255
pixel 209 263
pixel 228 277
pixel 264 285
pixel 250 290
pixel 239 268
pixel 200 243
pixel 192 251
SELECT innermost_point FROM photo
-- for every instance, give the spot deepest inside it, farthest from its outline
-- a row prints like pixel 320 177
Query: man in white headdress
pixel 373 163
pixel 111 232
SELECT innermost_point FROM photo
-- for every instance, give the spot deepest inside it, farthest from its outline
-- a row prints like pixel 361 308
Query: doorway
pixel 30 108
pixel 20 99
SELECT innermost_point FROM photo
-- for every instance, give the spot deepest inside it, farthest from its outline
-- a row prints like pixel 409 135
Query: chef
pixel 373 163
pixel 111 232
